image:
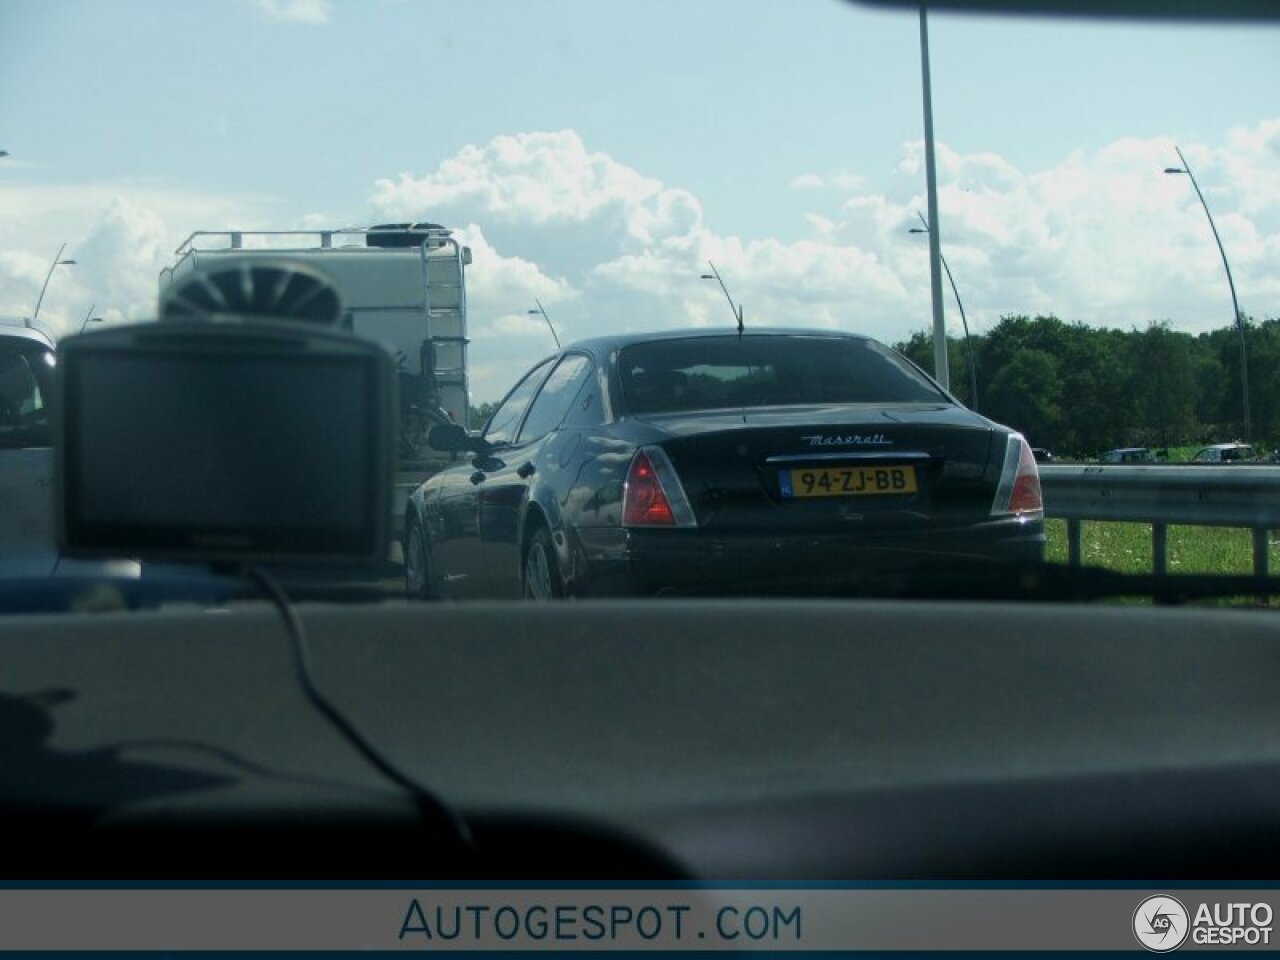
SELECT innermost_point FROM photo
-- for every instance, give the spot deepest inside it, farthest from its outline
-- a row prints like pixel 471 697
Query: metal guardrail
pixel 1243 495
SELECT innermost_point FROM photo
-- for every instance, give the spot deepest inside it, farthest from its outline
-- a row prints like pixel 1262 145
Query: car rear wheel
pixel 416 582
pixel 541 573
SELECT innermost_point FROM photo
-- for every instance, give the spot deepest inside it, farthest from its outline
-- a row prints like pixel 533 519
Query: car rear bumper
pixel 631 562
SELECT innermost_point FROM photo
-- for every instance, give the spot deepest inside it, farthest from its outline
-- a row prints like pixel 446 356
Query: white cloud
pixel 496 280
pixel 631 246
pixel 543 179
pixel 810 283
pixel 1103 237
pixel 845 180
pixel 297 11
pixel 822 226
pixel 500 292
pixel 119 234
pixel 807 181
pixel 120 258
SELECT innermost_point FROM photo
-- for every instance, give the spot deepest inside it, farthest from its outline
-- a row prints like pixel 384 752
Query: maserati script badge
pixel 851 440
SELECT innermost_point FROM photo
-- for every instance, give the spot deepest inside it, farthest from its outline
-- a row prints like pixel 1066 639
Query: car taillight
pixel 1019 490
pixel 653 495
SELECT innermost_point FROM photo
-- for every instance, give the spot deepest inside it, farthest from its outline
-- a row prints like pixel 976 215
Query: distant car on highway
pixel 1226 453
pixel 718 461
pixel 1042 455
pixel 1130 455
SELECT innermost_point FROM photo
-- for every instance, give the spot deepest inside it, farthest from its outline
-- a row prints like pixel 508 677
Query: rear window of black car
pixel 705 373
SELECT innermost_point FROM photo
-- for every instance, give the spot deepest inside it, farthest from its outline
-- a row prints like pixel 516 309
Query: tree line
pixel 1081 390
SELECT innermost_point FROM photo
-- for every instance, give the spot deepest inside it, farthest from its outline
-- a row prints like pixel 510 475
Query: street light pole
pixel 968 343
pixel 941 369
pixel 89 318
pixel 57 262
pixel 1235 304
pixel 736 308
pixel 548 319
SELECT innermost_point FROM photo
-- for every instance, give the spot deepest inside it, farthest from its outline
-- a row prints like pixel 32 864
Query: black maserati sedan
pixel 702 461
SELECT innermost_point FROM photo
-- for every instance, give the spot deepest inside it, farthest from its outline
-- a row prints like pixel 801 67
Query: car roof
pixel 606 344
pixel 13 329
pixel 1226 446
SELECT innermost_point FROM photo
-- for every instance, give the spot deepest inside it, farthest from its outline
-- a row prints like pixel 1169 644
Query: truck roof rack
pixel 434 234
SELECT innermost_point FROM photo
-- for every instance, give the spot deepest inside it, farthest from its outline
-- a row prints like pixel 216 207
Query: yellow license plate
pixel 848 481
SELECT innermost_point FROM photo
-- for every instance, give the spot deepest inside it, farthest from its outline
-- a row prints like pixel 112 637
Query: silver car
pixel 28 544
pixel 1225 453
pixel 28 530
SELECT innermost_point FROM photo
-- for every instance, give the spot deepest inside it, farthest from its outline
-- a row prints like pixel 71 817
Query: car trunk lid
pixel 863 467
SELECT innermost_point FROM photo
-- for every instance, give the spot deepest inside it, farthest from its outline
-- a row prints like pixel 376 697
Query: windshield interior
pixel 775 449
pixel 1074 236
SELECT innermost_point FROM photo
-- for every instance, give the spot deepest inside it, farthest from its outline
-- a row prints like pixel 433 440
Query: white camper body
pixel 410 297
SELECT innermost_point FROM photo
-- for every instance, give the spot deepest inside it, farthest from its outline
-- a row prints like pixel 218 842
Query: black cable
pixel 431 809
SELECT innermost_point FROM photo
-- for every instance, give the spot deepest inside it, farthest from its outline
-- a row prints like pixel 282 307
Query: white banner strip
pixel 775 920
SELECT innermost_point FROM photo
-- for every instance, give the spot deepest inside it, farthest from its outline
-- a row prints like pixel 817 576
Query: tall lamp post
pixel 546 318
pixel 1235 304
pixel 736 308
pixel 941 367
pixel 968 343
pixel 57 262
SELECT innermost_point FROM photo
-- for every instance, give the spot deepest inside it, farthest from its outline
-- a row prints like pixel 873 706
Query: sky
pixel 595 155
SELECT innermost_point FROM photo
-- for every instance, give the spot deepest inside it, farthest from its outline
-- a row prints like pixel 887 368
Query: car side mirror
pixel 450 437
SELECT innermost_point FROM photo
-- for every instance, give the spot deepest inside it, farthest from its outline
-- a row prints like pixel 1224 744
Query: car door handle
pixel 525 470
pixel 478 477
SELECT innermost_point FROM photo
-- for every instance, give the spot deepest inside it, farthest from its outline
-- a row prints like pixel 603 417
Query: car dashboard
pixel 779 741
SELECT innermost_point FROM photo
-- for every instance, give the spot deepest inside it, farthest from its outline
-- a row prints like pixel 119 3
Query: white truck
pixel 403 284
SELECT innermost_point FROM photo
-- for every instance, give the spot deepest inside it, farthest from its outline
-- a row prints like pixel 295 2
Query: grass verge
pixel 1126 548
